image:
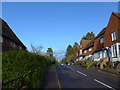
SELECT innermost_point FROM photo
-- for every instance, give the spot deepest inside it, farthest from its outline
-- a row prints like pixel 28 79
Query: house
pixel 88 50
pixel 112 37
pixel 105 44
pixel 9 40
pixel 99 50
pixel 83 43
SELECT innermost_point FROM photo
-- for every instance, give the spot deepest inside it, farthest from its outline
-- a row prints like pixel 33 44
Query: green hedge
pixel 29 67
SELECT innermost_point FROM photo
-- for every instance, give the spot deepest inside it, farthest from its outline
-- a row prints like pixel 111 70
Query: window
pixel 114 51
pixel 119 50
pixel 114 36
pixel 12 44
pixel 90 49
pixel 85 51
pixel 20 47
pixel 101 40
pixel 97 55
pixel 1 39
pixel 81 51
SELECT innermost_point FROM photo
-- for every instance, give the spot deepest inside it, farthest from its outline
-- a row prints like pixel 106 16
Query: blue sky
pixel 56 25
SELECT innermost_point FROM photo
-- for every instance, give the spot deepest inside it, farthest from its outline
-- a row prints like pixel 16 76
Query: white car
pixel 68 63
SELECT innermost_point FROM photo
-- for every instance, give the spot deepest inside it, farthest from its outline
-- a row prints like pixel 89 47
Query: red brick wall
pixel 113 24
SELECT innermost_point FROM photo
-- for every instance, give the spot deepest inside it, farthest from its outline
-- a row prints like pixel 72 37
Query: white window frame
pixel 85 51
pixel 97 55
pixel 80 51
pixel 114 50
pixel 114 36
pixel 90 49
pixel 119 49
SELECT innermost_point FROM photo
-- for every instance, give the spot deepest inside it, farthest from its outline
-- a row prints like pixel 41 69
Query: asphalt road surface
pixel 64 76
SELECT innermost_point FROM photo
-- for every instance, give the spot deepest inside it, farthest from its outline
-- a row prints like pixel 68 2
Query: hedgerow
pixel 23 68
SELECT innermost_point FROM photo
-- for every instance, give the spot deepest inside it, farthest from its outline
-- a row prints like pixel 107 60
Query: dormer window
pixel 85 51
pixel 101 40
pixel 114 36
pixel 90 49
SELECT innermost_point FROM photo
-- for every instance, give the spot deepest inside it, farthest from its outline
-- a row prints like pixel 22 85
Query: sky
pixel 56 24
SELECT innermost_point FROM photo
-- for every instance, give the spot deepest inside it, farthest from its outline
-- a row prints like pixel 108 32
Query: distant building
pixel 9 40
pixel 83 43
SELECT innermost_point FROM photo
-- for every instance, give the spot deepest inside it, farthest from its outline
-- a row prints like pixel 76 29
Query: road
pixel 64 76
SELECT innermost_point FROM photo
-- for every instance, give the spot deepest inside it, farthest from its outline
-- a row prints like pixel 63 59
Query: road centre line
pixel 81 73
pixel 58 79
pixel 104 84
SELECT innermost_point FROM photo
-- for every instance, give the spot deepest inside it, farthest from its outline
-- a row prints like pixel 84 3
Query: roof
pixel 117 14
pixel 90 44
pixel 8 33
pixel 84 42
pixel 101 33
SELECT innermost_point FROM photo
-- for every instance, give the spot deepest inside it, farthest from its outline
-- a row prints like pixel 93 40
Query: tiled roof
pixel 101 33
pixel 117 14
pixel 90 44
pixel 84 42
pixel 8 33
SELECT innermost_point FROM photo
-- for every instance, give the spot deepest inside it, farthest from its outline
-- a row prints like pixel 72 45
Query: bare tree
pixel 36 49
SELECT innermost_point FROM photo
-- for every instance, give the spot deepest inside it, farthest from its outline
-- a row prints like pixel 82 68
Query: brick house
pixel 112 37
pixel 99 50
pixel 9 40
pixel 88 50
pixel 82 45
pixel 106 43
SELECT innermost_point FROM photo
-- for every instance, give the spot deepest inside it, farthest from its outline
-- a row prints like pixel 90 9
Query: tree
pixel 50 52
pixel 75 50
pixel 75 47
pixel 89 36
pixel 64 61
pixel 69 51
pixel 36 49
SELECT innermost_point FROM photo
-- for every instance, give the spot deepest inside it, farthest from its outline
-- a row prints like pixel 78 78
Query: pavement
pixel 68 76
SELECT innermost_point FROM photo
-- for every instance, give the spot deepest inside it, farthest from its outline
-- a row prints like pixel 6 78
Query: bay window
pixel 114 51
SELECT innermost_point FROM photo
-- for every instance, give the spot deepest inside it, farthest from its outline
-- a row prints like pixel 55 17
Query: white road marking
pixel 104 84
pixel 58 81
pixel 81 73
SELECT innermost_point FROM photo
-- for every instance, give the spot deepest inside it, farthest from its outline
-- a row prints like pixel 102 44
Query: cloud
pixel 59 54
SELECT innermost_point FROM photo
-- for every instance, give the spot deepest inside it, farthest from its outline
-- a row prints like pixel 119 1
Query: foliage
pixel 79 63
pixel 50 52
pixel 94 64
pixel 63 61
pixel 69 51
pixel 75 50
pixel 28 66
pixel 116 63
pixel 89 36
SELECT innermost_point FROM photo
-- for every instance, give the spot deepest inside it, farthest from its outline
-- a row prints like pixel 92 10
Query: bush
pixel 29 67
pixel 79 63
pixel 94 64
pixel 116 63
